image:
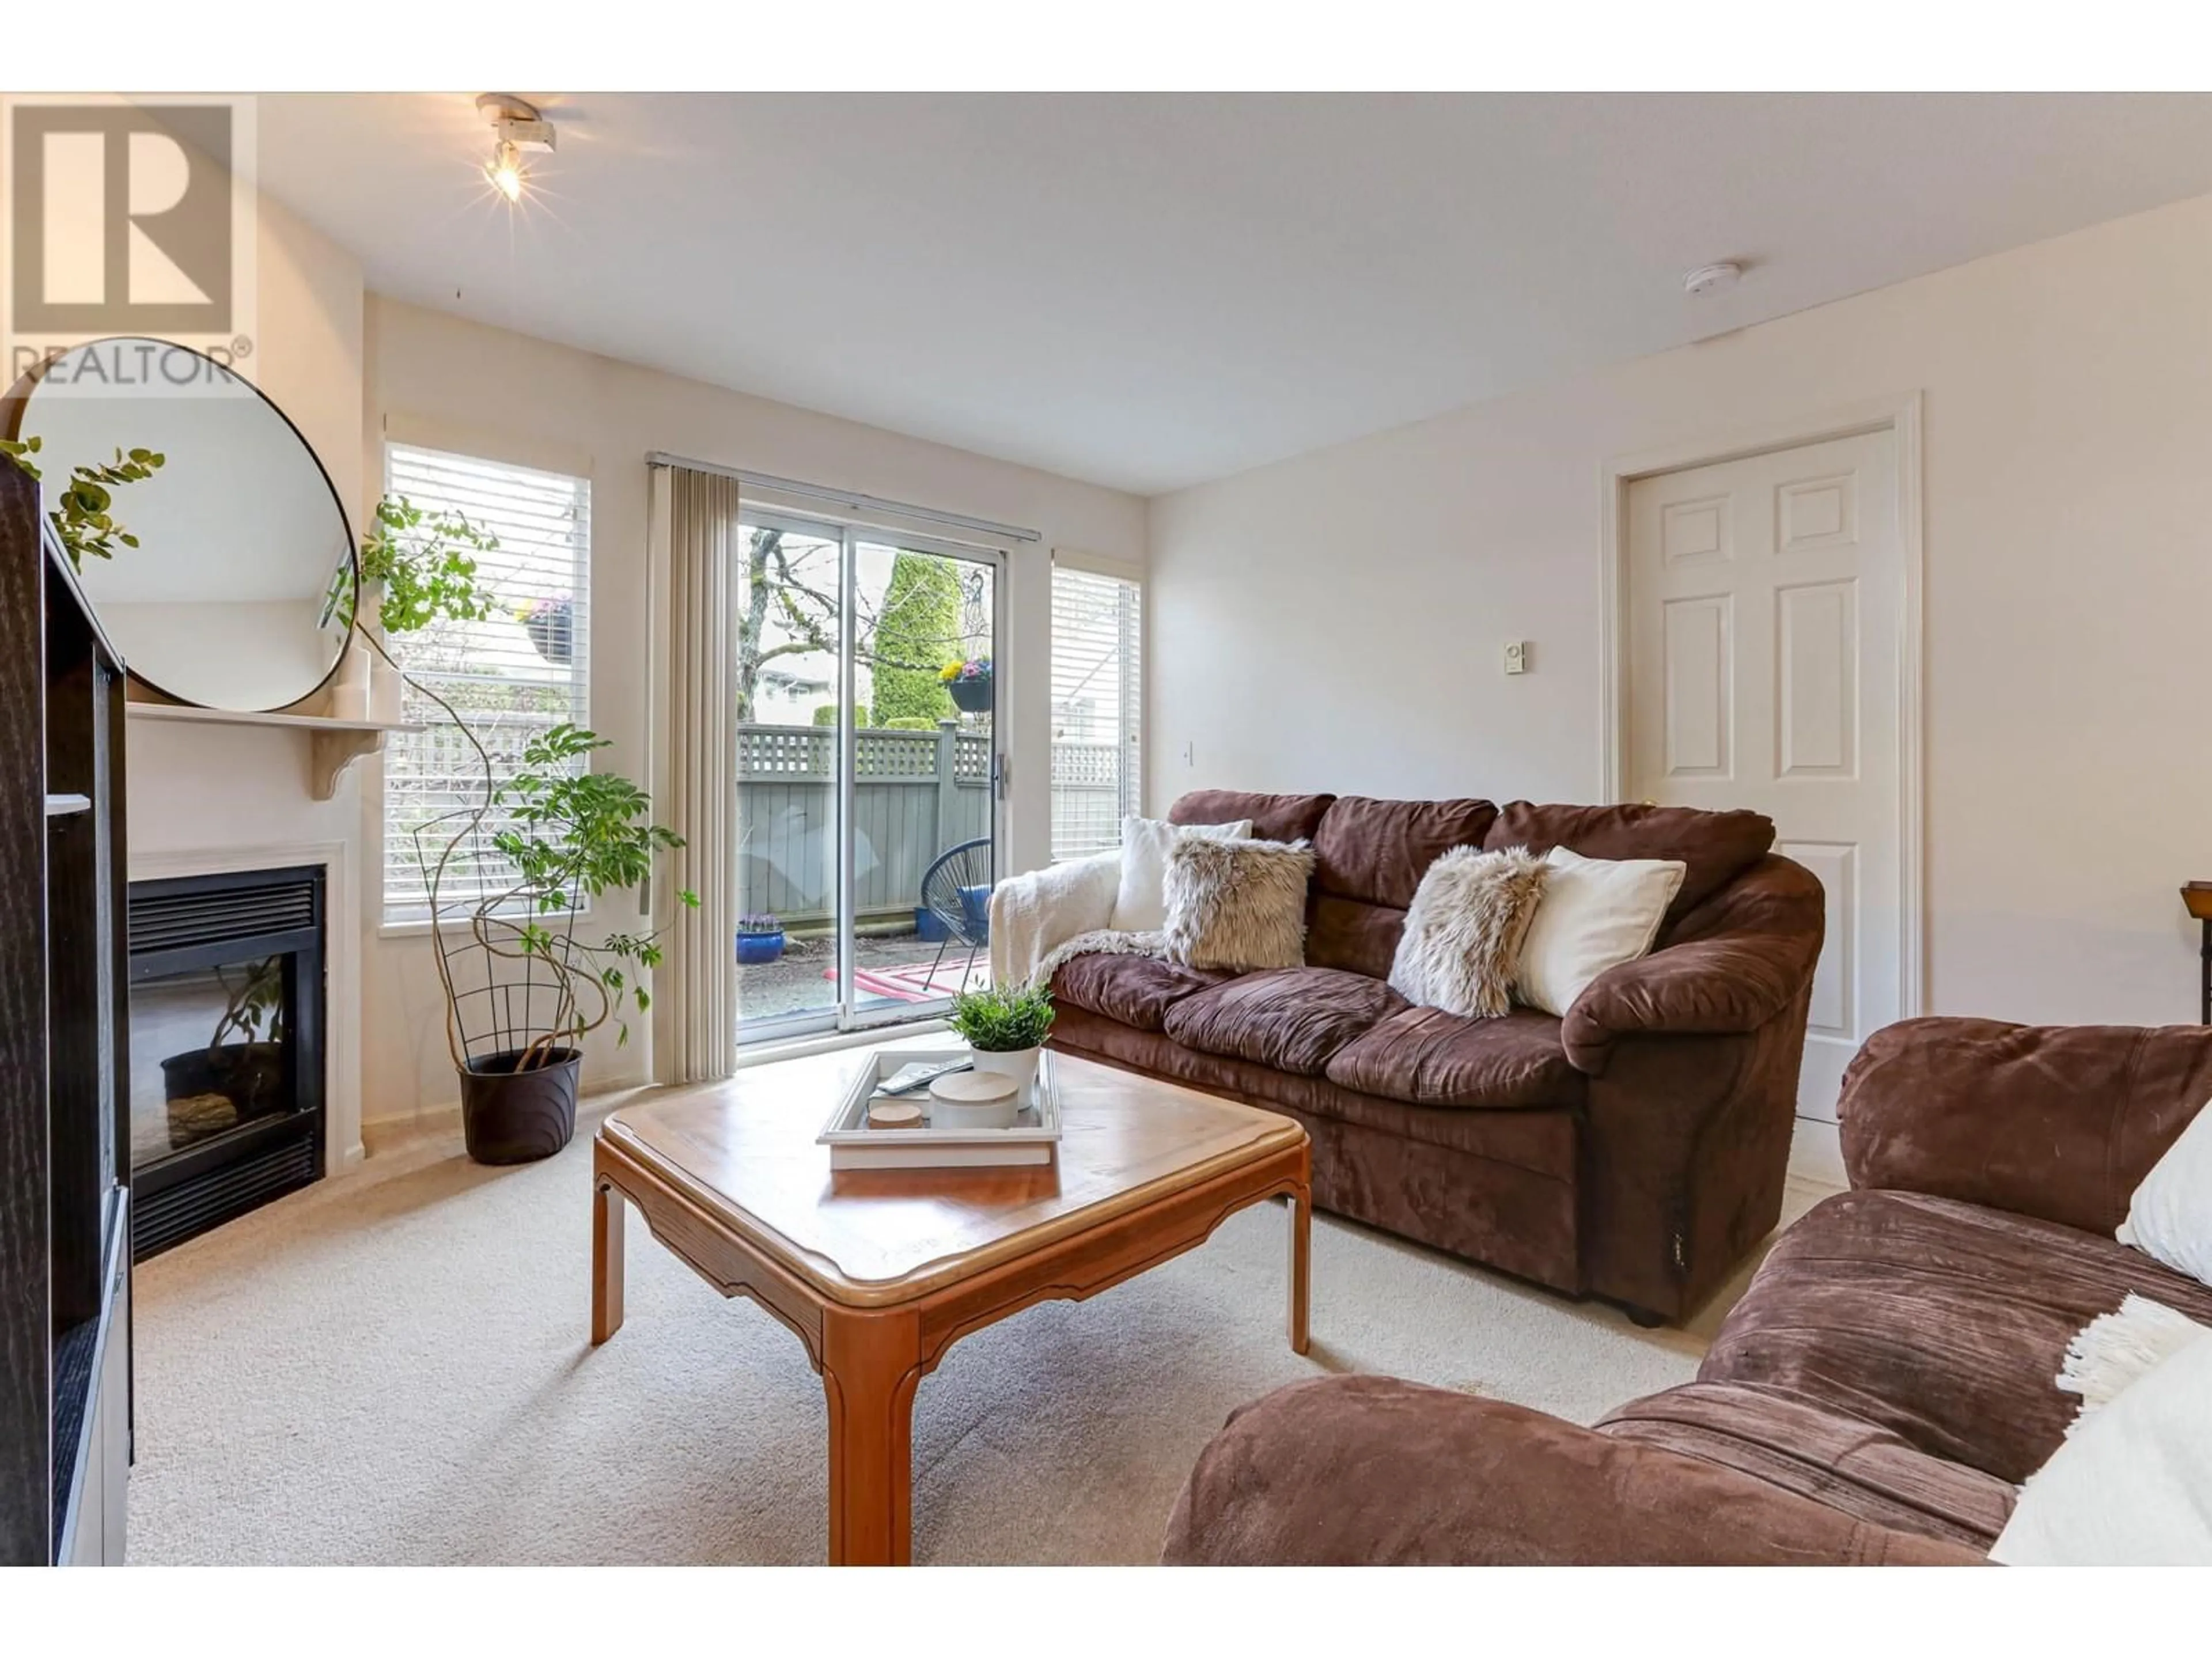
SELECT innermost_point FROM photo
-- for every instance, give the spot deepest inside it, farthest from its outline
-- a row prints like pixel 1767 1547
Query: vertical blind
pixel 509 677
pixel 1097 697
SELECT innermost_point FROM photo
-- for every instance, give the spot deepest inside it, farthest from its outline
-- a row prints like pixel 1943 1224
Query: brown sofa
pixel 1635 1149
pixel 1876 1396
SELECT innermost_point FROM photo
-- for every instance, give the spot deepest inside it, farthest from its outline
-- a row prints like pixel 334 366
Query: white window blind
pixel 510 677
pixel 1097 696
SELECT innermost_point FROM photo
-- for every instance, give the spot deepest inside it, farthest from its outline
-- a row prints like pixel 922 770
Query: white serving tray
pixel 1034 1138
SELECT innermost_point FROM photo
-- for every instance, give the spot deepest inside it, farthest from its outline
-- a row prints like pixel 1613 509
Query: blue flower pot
pixel 754 949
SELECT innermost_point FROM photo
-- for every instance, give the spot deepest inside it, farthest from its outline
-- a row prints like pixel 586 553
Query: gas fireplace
pixel 227 1046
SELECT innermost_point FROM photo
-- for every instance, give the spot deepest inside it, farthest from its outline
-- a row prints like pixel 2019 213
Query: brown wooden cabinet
pixel 64 1087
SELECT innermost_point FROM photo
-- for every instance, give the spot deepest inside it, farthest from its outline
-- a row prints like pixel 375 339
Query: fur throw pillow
pixel 1141 902
pixel 1464 930
pixel 1238 904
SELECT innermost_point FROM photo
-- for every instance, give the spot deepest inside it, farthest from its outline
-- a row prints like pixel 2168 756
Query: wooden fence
pixel 917 795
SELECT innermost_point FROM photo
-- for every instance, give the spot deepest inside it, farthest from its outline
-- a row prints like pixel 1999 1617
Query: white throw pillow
pixel 2132 1486
pixel 1140 904
pixel 1595 914
pixel 2170 1216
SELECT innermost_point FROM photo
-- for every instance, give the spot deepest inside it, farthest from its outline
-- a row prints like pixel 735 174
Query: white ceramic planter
pixel 1019 1064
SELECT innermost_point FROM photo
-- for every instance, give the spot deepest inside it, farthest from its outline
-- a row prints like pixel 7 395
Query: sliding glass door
pixel 868 774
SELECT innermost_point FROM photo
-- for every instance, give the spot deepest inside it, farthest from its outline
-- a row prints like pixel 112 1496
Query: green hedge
pixel 917 635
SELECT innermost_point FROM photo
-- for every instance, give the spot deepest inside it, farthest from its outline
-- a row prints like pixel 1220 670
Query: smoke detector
pixel 1712 279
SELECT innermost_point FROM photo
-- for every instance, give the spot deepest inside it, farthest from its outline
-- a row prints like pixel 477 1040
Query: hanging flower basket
pixel 550 624
pixel 970 682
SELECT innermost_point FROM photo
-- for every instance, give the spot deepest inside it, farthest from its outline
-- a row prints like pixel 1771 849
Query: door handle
pixel 1000 767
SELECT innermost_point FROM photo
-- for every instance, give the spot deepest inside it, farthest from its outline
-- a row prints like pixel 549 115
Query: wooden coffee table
pixel 879 1272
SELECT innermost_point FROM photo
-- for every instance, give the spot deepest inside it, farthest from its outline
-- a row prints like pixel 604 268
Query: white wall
pixel 1335 621
pixel 198 793
pixel 438 380
pixel 228 654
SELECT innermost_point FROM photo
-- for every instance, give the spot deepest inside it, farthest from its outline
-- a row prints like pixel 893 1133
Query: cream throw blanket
pixel 1040 919
pixel 2131 1484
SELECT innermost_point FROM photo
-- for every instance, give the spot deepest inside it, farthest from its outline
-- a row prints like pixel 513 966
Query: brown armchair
pixel 1876 1396
pixel 2060 1122
pixel 1368 1470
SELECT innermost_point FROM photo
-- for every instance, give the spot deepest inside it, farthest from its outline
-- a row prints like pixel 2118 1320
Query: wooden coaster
pixel 974 1088
pixel 893 1115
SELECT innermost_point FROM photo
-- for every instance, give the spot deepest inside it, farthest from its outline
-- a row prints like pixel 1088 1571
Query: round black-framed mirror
pixel 238 593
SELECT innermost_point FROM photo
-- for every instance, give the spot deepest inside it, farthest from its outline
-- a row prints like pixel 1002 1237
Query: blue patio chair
pixel 956 890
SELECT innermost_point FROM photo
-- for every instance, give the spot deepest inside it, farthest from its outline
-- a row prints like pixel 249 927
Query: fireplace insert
pixel 227 1034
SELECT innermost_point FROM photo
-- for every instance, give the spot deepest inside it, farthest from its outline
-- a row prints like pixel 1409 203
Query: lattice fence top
pixel 1086 765
pixel 895 753
pixel 785 751
pixel 800 752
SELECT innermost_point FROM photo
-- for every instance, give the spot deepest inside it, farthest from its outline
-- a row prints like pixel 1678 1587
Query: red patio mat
pixel 918 982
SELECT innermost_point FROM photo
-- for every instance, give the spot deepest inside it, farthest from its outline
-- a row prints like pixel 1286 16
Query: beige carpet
pixel 392 1367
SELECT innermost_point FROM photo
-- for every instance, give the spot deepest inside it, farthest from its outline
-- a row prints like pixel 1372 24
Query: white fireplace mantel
pixel 332 744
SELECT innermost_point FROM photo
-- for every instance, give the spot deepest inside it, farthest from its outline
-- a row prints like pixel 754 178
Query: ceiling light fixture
pixel 1713 278
pixel 516 127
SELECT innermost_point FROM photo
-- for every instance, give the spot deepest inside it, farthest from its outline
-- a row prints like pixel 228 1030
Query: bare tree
pixel 789 589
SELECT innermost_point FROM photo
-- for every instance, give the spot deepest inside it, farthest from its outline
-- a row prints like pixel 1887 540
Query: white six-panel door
pixel 1764 621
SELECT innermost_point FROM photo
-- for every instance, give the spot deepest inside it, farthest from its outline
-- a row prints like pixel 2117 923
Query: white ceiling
pixel 1150 290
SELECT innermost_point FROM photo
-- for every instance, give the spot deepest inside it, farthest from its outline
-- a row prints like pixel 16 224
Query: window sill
pixel 884 1035
pixel 423 929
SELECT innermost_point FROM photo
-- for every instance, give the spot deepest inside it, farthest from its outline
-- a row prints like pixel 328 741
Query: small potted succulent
pixel 1005 1028
pixel 760 939
pixel 970 682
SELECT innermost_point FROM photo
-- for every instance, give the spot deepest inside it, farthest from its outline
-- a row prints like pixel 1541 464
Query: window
pixel 511 676
pixel 1097 696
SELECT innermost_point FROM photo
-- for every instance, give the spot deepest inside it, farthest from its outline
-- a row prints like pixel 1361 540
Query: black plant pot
pixel 517 1117
pixel 971 696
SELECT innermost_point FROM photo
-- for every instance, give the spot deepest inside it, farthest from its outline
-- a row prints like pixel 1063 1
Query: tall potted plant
pixel 522 990
pixel 570 835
